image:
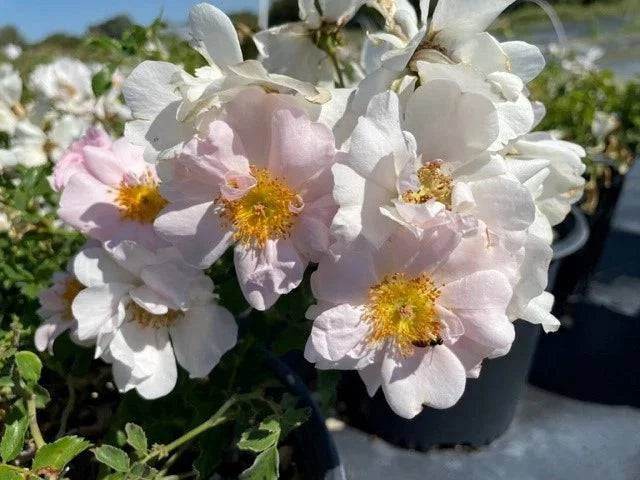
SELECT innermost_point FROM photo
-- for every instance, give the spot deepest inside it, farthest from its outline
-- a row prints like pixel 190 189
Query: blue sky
pixel 38 18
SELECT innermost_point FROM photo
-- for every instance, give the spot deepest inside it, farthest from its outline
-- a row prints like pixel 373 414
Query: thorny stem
pixel 33 423
pixel 67 410
pixel 213 421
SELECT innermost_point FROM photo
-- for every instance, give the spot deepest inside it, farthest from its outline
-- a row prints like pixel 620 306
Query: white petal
pixel 98 309
pixel 148 89
pixel 449 124
pixel 483 52
pixel 48 331
pixel 433 376
pixel 131 255
pixel 371 377
pixel 214 35
pixel 149 300
pixel 265 274
pixel 525 59
pixel 503 203
pixel 289 50
pixel 538 312
pixel 457 20
pixel 180 284
pixel 94 266
pixel 347 278
pixel 202 336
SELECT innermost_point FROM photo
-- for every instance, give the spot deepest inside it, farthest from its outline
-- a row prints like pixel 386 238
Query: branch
pixel 36 434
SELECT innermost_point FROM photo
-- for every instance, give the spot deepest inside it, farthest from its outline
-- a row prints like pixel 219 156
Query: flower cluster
pixel 64 106
pixel 410 176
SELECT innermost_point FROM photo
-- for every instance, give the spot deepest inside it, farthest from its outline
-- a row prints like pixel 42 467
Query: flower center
pixel 434 185
pixel 140 202
pixel 147 319
pixel 403 310
pixel 71 289
pixel 267 211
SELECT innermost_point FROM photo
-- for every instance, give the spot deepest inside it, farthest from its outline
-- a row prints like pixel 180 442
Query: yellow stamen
pixel 267 211
pixel 147 319
pixel 71 289
pixel 434 185
pixel 403 310
pixel 140 202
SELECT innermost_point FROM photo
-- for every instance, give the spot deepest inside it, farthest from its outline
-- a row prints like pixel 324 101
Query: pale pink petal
pixel 311 234
pixel 87 204
pixel 347 277
pixel 196 230
pixel 300 149
pixel 104 165
pixel 265 274
pixel 480 300
pixel 249 115
pixel 335 333
pixel 404 252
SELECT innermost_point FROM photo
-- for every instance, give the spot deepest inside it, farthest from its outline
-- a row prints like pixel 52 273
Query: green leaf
pixel 7 473
pixel 41 396
pixel 260 438
pixel 293 418
pixel 112 457
pixel 29 366
pixel 136 437
pixel 115 476
pixel 141 471
pixel 15 428
pixel 56 455
pixel 265 466
pixel 101 82
pixel 6 382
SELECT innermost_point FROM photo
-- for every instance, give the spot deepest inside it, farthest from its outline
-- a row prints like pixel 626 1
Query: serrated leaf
pixel 136 437
pixel 56 455
pixel 7 473
pixel 260 438
pixel 29 366
pixel 15 428
pixel 112 457
pixel 265 466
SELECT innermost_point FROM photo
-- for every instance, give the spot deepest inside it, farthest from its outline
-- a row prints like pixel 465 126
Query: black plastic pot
pixel 488 405
pixel 576 269
pixel 595 356
pixel 315 451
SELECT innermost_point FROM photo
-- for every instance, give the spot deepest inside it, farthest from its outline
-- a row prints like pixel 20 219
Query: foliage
pixel 573 99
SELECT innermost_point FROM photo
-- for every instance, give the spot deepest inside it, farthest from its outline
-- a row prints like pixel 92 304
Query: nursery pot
pixel 314 450
pixel 488 404
pixel 575 270
pixel 595 356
